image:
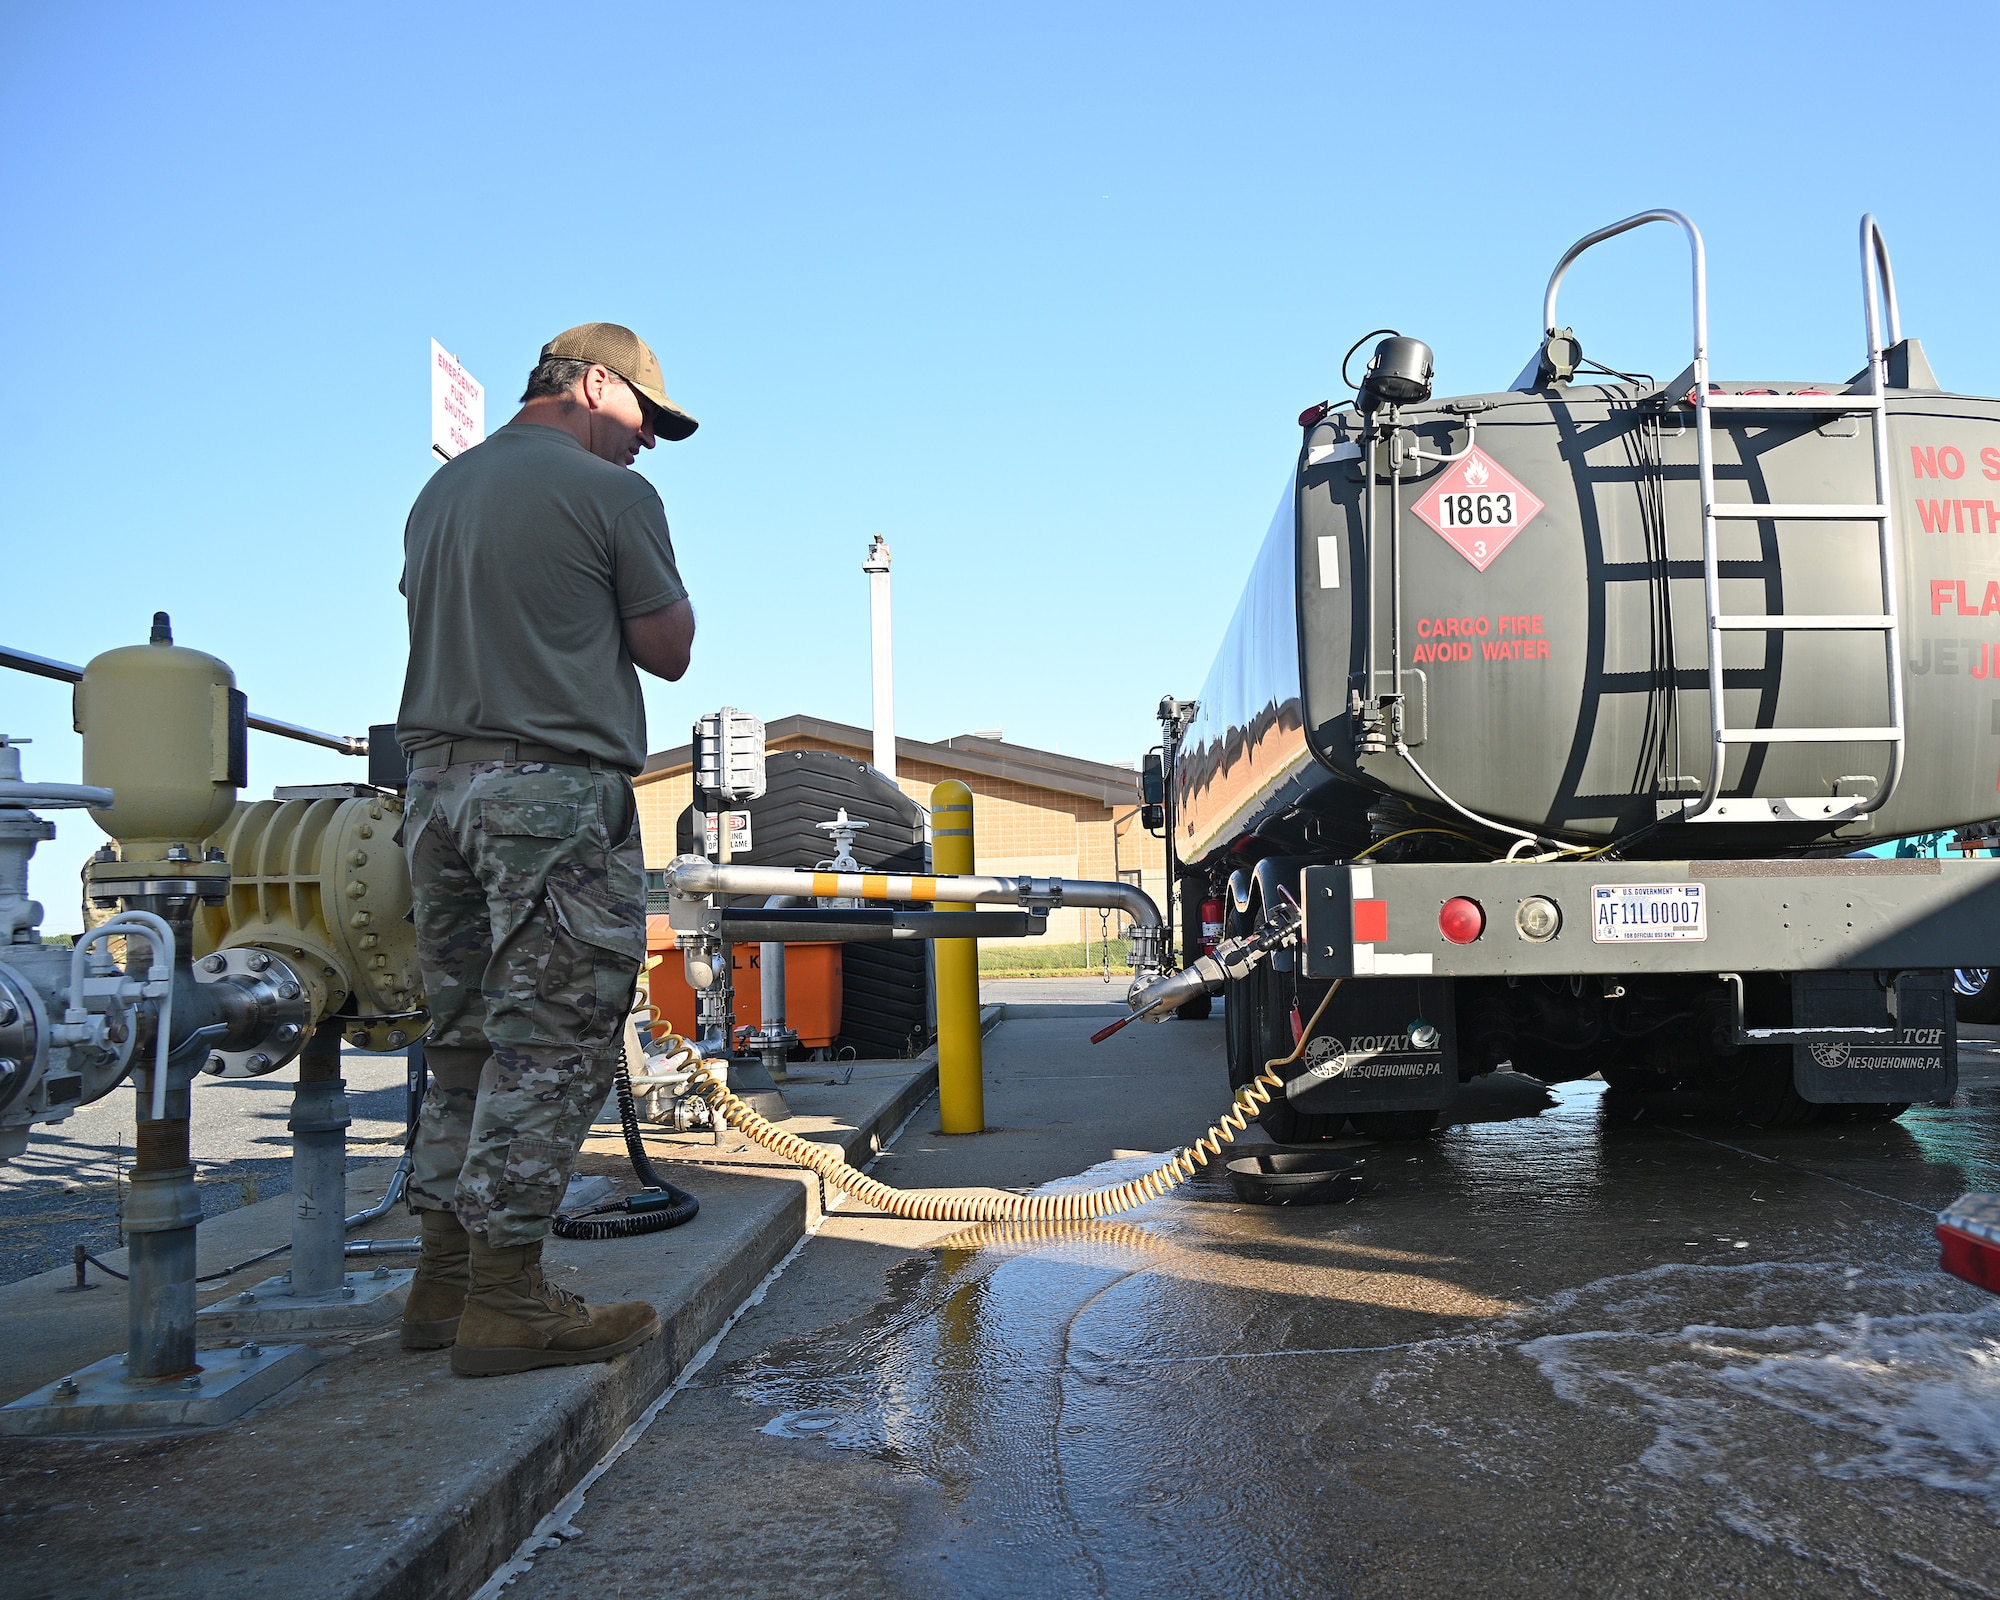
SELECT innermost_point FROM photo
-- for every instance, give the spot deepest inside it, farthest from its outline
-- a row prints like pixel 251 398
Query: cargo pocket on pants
pixel 597 945
pixel 536 1171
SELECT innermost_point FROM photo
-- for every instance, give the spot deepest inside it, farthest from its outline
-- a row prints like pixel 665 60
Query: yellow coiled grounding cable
pixel 958 1205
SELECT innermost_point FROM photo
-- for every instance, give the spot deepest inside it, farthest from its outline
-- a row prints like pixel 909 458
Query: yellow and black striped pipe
pixel 694 876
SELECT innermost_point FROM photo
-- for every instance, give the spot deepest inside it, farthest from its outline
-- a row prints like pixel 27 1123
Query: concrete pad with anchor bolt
pixel 100 1399
pixel 372 1299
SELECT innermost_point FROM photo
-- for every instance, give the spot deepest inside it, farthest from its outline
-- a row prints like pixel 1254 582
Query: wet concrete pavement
pixel 1549 1353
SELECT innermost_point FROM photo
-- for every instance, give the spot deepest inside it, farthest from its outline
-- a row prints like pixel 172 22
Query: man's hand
pixel 661 641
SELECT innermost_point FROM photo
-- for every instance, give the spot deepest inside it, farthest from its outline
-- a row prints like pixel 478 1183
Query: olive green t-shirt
pixel 521 559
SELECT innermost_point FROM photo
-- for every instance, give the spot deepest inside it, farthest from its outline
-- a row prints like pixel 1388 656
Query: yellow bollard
pixel 961 1074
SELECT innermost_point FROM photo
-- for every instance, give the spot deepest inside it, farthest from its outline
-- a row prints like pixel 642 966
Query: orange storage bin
pixel 812 986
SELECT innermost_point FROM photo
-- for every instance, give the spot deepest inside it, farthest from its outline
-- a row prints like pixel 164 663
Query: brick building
pixel 1033 812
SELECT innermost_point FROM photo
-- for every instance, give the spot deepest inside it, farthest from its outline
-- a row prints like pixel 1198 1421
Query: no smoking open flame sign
pixel 1477 507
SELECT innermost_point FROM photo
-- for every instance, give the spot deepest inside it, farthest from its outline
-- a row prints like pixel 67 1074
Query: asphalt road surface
pixel 1549 1353
pixel 67 1188
pixel 69 1185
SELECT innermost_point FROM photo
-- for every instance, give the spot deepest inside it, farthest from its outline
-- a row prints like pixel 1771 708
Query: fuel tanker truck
pixel 1554 726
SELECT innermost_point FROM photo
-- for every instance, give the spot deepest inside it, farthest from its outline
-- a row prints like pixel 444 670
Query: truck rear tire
pixel 1870 1111
pixel 1978 990
pixel 1761 1093
pixel 1258 1014
pixel 1394 1127
pixel 1239 1031
pixel 1195 1010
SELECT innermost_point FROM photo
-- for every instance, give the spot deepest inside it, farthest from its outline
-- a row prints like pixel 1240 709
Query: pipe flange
pixel 266 1006
pixel 24 1032
pixel 161 1202
pixel 139 893
pixel 383 1035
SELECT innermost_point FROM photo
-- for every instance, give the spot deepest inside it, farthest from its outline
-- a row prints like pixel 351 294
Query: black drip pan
pixel 1297 1177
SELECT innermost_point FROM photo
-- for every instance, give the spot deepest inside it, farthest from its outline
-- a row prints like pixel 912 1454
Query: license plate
pixel 1647 913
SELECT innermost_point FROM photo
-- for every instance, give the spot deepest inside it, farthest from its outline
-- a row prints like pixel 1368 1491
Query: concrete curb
pixel 455 1548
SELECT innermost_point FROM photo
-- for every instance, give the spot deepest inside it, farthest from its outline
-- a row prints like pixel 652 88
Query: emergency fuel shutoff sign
pixel 458 405
pixel 1477 507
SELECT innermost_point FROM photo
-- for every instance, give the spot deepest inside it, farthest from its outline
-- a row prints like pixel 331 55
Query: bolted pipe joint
pixel 320 1108
pixel 1158 1000
pixel 698 957
pixel 1147 956
pixel 162 1202
pixel 264 1007
pixel 1233 958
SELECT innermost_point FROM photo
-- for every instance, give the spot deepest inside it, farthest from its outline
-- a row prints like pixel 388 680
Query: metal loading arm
pixel 27 661
pixel 750 926
pixel 1233 958
pixel 691 880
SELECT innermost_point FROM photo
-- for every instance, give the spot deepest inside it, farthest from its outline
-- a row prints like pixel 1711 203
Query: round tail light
pixel 1461 920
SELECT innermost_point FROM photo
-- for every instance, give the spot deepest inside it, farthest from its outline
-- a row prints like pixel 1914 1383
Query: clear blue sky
pixel 1034 291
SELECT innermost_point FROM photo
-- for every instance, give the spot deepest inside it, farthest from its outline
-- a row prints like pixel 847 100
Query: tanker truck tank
pixel 1629 648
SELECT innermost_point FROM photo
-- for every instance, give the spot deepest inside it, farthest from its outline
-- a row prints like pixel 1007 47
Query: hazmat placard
pixel 458 405
pixel 1477 506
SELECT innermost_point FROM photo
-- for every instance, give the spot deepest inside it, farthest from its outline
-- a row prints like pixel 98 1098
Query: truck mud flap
pixel 1916 1061
pixel 1365 1059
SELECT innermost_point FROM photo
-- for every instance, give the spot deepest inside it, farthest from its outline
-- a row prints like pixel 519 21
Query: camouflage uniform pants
pixel 528 883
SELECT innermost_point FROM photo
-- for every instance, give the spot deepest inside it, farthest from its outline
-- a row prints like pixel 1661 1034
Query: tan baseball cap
pixel 606 344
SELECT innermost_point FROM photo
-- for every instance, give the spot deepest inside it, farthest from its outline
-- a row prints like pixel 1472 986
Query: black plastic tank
pixel 885 987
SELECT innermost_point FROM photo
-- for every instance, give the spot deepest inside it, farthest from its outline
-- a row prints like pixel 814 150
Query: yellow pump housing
pixel 322 882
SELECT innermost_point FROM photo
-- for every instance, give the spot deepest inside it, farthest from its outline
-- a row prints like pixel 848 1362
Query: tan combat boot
pixel 437 1293
pixel 516 1320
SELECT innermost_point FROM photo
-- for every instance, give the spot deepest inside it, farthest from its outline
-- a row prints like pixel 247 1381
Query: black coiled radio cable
pixel 658 1206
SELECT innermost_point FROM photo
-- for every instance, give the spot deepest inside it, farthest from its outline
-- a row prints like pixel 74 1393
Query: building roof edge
pixel 994 758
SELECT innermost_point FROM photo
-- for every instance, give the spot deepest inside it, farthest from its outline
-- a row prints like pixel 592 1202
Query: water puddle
pixel 1893 1375
pixel 1093 1397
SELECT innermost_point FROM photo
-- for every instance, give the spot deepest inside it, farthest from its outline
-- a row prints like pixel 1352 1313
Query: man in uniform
pixel 539 575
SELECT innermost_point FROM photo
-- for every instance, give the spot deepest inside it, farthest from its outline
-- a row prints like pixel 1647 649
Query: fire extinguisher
pixel 1211 926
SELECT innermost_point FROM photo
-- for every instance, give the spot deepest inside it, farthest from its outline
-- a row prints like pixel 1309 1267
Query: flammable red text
pixel 1951 592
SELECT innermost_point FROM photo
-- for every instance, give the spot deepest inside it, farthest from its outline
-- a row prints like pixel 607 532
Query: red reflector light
pixel 1461 920
pixel 1969 1232
pixel 1312 416
pixel 1371 921
pixel 1975 1260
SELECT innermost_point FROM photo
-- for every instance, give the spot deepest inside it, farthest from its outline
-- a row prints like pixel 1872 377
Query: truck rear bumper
pixel 1740 916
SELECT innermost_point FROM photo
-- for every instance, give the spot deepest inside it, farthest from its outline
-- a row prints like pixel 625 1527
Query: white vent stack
pixel 880 637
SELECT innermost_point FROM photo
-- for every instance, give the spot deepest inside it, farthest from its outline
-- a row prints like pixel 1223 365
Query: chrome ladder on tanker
pixel 1878 287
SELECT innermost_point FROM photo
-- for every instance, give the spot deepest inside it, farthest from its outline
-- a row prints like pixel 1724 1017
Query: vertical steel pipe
pixel 771 980
pixel 161 1211
pixel 319 1126
pixel 771 970
pixel 881 635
